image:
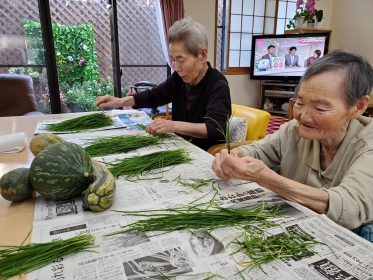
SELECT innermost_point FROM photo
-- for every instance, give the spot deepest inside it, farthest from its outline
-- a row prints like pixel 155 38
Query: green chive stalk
pixel 120 144
pixel 193 183
pixel 142 165
pixel 15 260
pixel 262 249
pixel 91 121
pixel 207 216
pixel 226 133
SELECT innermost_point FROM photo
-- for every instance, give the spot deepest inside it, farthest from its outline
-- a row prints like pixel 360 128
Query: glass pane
pixel 292 7
pixel 247 24
pixel 22 48
pixel 280 26
pixel 236 7
pixel 222 41
pixel 235 41
pixel 281 9
pixel 246 42
pixel 245 59
pixel 234 58
pixel 270 8
pixel 131 76
pixel 248 7
pixel 259 8
pixel 235 23
pixel 258 25
pixel 83 52
pixel 269 25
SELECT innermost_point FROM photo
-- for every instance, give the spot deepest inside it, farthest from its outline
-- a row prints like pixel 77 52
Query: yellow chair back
pixel 257 120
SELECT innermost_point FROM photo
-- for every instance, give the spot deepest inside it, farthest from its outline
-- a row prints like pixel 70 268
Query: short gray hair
pixel 358 73
pixel 189 32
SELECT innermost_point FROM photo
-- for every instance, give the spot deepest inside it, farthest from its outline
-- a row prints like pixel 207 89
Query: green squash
pixel 43 140
pixel 61 171
pixel 15 185
pixel 99 196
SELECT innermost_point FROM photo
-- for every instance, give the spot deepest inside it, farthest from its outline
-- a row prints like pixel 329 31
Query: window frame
pixel 238 70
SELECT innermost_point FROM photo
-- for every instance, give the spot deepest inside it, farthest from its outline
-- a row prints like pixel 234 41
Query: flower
pixel 85 47
pixel 81 60
pixel 306 9
pixel 70 58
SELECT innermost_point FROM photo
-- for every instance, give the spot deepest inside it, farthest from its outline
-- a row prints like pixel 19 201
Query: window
pixel 237 22
pixel 285 12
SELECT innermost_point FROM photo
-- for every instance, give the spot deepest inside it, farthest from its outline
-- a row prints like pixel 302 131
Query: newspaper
pixel 183 254
pixel 121 118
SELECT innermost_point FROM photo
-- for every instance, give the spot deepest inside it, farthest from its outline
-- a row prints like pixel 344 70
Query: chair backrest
pixel 16 95
pixel 257 120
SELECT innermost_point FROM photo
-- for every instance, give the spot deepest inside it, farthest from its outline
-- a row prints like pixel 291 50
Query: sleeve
pixel 271 148
pixel 155 97
pixel 219 108
pixel 351 203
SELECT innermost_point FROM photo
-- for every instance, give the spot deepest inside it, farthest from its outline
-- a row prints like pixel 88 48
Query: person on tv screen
pixel 199 94
pixel 271 52
pixel 314 58
pixel 291 59
pixel 325 153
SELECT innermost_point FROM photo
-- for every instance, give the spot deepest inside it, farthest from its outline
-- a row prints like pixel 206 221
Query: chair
pixel 257 124
pixel 17 96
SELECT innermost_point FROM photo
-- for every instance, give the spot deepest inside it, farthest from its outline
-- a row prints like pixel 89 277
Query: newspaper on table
pixel 121 118
pixel 183 254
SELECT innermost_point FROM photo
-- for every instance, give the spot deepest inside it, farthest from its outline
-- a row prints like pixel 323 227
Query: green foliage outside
pixel 78 76
pixel 74 47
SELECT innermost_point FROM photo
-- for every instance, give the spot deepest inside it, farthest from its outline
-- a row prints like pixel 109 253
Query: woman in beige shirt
pixel 326 153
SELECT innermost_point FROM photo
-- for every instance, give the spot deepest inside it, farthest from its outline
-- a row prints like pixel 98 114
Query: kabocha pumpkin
pixel 61 171
pixel 99 196
pixel 43 140
pixel 15 185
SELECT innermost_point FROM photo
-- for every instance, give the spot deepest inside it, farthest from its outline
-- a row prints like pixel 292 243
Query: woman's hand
pixel 161 126
pixel 228 166
pixel 107 101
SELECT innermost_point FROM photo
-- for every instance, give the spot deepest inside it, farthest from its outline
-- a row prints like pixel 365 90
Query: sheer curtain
pixel 168 11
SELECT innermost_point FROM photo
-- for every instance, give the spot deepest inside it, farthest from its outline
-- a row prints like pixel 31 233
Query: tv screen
pixel 284 57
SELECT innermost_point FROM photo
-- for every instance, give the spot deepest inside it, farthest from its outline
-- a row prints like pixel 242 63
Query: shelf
pixel 303 30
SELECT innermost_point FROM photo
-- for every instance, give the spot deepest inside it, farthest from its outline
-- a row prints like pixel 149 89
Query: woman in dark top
pixel 199 93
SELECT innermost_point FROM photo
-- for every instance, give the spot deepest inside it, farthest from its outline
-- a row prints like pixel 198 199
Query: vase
pixel 301 22
pixel 318 24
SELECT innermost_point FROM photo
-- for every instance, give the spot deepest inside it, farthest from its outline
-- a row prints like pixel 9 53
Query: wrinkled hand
pixel 228 166
pixel 161 126
pixel 107 101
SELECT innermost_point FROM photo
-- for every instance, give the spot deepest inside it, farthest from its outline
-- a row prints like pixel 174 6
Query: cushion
pixel 238 129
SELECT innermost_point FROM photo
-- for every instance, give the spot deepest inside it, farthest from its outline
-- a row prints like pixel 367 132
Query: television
pixel 277 67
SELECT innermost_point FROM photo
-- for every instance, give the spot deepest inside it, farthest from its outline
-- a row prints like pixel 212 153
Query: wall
pixel 243 90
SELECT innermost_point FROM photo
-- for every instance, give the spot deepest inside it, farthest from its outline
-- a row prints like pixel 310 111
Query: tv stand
pixel 275 95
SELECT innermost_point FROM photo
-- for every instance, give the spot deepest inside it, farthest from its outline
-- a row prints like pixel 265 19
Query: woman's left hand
pixel 228 166
pixel 161 126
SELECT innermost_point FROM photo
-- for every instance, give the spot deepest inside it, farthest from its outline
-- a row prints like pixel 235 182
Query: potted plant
pixel 305 13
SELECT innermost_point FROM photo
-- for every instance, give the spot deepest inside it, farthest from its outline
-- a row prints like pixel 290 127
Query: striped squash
pixel 61 171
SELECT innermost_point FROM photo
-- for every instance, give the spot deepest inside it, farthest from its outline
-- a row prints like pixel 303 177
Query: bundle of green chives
pixel 120 144
pixel 86 122
pixel 142 165
pixel 263 249
pixel 16 260
pixel 208 216
pixel 226 132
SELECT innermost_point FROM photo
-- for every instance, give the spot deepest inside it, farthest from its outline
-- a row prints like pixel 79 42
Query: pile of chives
pixel 263 249
pixel 120 144
pixel 15 260
pixel 207 216
pixel 142 165
pixel 86 122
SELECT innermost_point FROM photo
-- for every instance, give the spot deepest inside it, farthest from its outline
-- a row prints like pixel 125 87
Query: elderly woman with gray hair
pixel 326 153
pixel 199 94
